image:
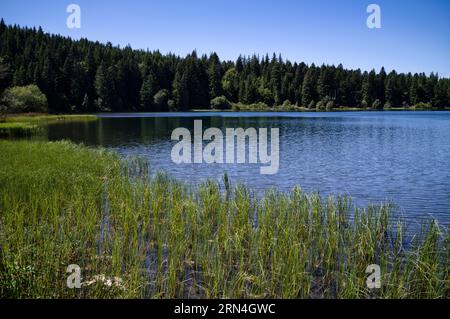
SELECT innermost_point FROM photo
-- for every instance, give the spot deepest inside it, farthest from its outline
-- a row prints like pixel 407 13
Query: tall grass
pixel 17 129
pixel 156 237
pixel 48 118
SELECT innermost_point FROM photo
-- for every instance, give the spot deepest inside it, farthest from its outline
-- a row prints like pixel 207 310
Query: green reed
pixel 17 129
pixel 64 204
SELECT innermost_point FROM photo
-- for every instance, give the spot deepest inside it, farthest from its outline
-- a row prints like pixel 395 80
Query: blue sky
pixel 415 35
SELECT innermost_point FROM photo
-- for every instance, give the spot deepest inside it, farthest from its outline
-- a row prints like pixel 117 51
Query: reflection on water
pixel 372 156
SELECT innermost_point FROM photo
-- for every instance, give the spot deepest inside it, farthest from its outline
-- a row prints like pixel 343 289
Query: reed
pixel 17 129
pixel 48 118
pixel 153 236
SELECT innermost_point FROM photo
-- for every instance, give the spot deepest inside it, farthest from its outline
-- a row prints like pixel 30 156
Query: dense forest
pixel 86 76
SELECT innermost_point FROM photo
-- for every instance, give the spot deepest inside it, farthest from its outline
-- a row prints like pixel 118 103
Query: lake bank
pixel 46 118
pixel 65 204
pixel 372 156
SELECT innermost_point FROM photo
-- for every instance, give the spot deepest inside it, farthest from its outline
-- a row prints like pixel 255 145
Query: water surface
pixel 402 157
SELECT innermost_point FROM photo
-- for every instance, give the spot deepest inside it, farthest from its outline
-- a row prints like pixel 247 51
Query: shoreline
pixel 49 117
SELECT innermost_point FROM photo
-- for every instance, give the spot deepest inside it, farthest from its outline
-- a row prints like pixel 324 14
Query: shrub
pixel 236 107
pixel 17 129
pixel 330 105
pixel 160 99
pixel 287 103
pixel 23 99
pixel 377 104
pixel 220 103
pixel 320 106
pixel 172 105
pixel 364 104
pixel 422 105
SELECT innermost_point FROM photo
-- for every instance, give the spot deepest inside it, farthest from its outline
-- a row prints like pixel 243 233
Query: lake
pixel 403 157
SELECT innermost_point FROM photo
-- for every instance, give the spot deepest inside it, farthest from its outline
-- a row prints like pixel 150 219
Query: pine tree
pixel 102 88
pixel 181 93
pixel 5 73
pixel 214 76
pixel 392 95
pixel 147 92
pixel 84 76
pixel 308 87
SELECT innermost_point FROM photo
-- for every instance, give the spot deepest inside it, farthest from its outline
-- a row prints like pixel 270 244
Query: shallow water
pixel 403 157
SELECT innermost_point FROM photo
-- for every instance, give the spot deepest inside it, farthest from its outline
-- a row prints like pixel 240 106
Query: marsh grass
pixel 48 118
pixel 64 204
pixel 18 129
pixel 29 125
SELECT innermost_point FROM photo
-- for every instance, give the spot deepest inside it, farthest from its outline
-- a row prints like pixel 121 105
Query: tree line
pixel 86 76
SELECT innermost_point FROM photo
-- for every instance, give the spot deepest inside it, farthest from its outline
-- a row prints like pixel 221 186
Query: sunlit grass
pixel 64 204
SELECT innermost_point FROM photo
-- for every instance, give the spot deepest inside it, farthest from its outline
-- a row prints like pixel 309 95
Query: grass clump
pixel 155 237
pixel 49 118
pixel 17 129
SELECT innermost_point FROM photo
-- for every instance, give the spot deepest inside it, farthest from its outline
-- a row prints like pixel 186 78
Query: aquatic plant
pixel 63 204
pixel 17 129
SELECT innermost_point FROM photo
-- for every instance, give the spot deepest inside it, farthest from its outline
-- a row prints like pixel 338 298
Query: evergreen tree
pixel 86 76
pixel 147 92
pixel 215 76
pixel 308 87
pixel 5 72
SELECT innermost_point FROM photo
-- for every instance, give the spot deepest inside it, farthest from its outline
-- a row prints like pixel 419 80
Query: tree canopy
pixel 87 76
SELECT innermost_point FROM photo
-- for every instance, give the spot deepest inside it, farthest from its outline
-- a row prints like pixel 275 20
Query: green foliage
pixel 17 129
pixel 214 76
pixel 5 74
pixel 24 99
pixel 148 92
pixel 251 107
pixel 377 105
pixel 160 99
pixel 320 106
pixel 309 88
pixel 85 76
pixel 65 204
pixel 230 84
pixel 330 105
pixel 220 103
pixel 422 106
pixel 171 105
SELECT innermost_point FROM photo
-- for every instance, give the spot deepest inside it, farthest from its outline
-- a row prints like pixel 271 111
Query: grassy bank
pixel 47 118
pixel 262 107
pixel 24 125
pixel 64 204
pixel 17 129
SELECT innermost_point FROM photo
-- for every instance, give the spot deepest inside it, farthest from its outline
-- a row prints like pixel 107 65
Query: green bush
pixel 329 106
pixel 364 104
pixel 422 105
pixel 160 99
pixel 287 104
pixel 24 99
pixel 171 105
pixel 320 106
pixel 220 103
pixel 17 129
pixel 377 104
pixel 260 106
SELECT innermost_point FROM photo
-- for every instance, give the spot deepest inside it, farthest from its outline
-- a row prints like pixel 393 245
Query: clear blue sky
pixel 415 35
